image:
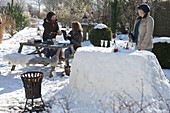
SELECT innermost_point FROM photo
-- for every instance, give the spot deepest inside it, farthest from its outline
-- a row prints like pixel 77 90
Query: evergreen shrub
pixel 86 29
pixel 162 52
pixel 16 11
pixel 96 35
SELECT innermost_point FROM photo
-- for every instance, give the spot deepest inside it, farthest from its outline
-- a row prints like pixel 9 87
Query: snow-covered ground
pixel 12 97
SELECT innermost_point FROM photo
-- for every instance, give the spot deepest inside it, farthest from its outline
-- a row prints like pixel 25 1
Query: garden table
pixel 41 45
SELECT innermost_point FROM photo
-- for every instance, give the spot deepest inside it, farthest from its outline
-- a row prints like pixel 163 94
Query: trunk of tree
pixel 114 15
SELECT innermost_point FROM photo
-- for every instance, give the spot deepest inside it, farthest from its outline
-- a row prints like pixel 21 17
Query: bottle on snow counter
pixel 127 46
pixel 115 47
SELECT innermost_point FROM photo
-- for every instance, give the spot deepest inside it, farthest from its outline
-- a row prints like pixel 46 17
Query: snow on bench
pixel 23 59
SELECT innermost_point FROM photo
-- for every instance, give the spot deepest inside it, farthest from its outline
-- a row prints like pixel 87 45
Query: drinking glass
pixel 105 43
pixel 111 43
pixel 32 40
pixel 54 40
pixel 101 43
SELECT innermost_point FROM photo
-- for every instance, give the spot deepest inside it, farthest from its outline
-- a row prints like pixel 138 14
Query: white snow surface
pixel 98 70
pixel 17 58
pixel 94 71
pixel 161 39
pixel 100 26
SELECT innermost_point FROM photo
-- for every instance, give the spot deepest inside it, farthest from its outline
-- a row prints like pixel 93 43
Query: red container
pixel 115 49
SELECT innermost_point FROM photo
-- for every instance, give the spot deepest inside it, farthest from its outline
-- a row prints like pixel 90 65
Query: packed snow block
pixel 99 73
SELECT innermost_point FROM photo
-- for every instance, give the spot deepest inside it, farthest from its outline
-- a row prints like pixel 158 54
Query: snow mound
pixel 100 73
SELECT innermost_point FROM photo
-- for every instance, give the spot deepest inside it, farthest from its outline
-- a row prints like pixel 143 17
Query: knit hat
pixel 144 7
pixel 49 15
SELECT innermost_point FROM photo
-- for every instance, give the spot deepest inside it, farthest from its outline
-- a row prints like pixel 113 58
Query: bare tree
pixel 39 2
pixel 128 11
pixel 51 5
pixel 68 10
pixel 77 8
pixel 102 11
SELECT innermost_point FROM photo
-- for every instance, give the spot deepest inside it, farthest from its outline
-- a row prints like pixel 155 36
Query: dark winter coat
pixel 75 38
pixel 50 30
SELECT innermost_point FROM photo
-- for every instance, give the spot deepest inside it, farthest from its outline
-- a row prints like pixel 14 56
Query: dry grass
pixel 7 23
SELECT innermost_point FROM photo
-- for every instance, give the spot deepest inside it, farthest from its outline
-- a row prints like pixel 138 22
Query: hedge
pixel 100 34
pixel 162 52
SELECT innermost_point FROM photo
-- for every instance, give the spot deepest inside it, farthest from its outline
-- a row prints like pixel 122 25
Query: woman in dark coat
pixel 51 29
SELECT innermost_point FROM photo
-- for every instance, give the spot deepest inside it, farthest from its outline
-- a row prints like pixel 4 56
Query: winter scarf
pixel 136 31
pixel 52 22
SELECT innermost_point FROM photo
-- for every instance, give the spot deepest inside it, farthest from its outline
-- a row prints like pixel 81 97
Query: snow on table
pixel 99 72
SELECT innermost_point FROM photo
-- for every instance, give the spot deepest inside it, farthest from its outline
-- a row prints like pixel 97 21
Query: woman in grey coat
pixel 143 28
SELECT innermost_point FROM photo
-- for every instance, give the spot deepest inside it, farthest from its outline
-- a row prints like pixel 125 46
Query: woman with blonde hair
pixel 75 38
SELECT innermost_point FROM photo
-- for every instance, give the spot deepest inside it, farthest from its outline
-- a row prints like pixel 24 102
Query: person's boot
pixel 61 58
pixel 67 70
